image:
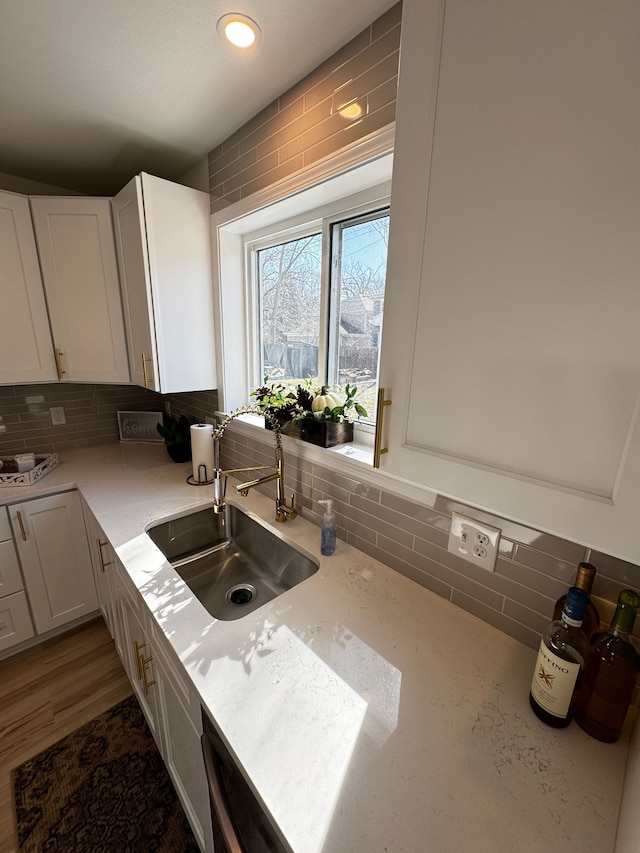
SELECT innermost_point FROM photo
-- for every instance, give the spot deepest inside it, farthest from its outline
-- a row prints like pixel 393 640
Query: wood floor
pixel 46 693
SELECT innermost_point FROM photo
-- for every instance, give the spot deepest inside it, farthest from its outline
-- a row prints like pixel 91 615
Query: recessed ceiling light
pixel 240 30
pixel 351 111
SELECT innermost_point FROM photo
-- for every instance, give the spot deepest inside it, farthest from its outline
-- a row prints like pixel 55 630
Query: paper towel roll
pixel 202 452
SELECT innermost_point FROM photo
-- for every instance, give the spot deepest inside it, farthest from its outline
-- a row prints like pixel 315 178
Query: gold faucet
pixel 284 511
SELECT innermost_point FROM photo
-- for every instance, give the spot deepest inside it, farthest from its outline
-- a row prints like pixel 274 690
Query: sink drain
pixel 241 593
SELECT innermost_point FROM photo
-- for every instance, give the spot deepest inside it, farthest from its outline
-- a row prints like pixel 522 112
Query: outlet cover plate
pixel 474 541
pixel 57 415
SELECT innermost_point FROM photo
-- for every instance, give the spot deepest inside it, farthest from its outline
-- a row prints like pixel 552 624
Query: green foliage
pixel 175 431
pixel 294 402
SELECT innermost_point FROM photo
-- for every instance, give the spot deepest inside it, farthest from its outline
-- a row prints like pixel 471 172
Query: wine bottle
pixel 584 580
pixel 610 676
pixel 560 663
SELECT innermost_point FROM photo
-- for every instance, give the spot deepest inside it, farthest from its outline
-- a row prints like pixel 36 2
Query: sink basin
pixel 232 562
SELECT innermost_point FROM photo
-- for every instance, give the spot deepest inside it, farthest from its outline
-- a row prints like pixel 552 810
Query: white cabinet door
pixel 182 750
pixel 52 544
pixel 169 705
pixel 133 262
pixel 103 562
pixel 26 352
pixel 510 346
pixel 135 649
pixel 79 267
pixel 164 254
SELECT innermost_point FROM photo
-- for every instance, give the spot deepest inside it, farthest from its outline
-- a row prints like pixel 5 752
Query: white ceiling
pixel 94 91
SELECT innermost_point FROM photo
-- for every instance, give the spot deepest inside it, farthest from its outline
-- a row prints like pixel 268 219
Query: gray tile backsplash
pixel 90 412
pixel 533 568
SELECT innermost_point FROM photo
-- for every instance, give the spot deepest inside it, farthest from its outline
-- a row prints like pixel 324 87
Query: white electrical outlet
pixel 57 415
pixel 474 541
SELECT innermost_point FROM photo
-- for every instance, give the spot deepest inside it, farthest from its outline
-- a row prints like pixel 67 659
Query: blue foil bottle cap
pixel 575 605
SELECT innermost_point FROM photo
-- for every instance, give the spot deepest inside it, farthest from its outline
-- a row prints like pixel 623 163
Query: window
pixel 318 300
pixel 352 184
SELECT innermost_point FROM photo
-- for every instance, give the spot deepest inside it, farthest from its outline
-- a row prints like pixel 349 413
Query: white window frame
pixel 333 215
pixel 252 245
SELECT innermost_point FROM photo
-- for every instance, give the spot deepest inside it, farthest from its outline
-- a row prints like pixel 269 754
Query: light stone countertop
pixel 370 714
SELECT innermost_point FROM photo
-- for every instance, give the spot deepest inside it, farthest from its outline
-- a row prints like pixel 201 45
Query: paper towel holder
pixel 191 480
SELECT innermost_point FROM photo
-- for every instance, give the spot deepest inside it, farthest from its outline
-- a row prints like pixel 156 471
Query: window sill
pixel 353 460
pixel 359 451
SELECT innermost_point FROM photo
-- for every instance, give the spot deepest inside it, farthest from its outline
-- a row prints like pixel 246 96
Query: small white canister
pixel 25 461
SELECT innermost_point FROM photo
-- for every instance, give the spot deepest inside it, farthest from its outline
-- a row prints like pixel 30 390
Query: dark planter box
pixel 326 433
pixel 287 427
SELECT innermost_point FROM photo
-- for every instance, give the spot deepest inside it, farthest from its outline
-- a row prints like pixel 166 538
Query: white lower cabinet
pixel 103 561
pixel 170 704
pixel 182 751
pixel 51 542
pixel 134 649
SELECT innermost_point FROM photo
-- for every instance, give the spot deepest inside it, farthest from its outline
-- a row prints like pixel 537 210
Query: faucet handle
pixel 284 512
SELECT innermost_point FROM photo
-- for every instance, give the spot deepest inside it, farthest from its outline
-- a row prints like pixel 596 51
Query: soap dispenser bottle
pixel 328 531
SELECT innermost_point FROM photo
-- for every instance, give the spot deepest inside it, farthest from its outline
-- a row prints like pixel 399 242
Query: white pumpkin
pixel 322 401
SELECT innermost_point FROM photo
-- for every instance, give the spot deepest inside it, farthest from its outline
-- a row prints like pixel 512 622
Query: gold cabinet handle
pixel 145 375
pixel 23 532
pixel 378 450
pixel 102 545
pixel 143 665
pixel 59 355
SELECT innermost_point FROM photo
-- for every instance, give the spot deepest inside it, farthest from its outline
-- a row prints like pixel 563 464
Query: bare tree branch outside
pixel 290 298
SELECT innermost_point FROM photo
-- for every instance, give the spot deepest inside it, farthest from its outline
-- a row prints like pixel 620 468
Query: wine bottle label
pixel 553 682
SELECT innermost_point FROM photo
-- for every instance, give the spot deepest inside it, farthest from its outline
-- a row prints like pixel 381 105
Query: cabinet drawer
pixel 15 620
pixel 10 577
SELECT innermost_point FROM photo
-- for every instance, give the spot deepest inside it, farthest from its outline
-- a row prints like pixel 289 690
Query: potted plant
pixel 312 413
pixel 330 417
pixel 177 437
pixel 279 401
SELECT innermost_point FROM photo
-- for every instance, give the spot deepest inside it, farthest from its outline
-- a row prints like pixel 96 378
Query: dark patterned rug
pixel 102 789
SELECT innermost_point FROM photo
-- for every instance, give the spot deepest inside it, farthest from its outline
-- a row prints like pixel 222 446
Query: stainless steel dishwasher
pixel 239 823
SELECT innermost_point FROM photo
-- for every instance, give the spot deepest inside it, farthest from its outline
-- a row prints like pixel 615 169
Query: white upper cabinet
pixel 510 346
pixel 26 351
pixel 164 253
pixel 79 267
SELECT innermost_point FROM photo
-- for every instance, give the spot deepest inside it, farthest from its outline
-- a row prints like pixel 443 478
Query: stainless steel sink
pixel 231 561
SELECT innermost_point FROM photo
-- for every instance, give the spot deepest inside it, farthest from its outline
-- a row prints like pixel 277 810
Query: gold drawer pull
pixel 59 355
pixel 139 657
pixel 143 665
pixel 145 359
pixel 102 545
pixel 23 532
pixel 147 684
pixel 377 449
